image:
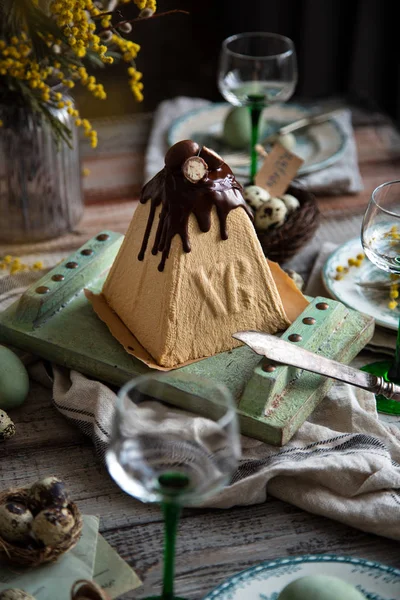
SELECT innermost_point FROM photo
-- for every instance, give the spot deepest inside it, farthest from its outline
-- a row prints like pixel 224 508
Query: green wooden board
pixel 54 320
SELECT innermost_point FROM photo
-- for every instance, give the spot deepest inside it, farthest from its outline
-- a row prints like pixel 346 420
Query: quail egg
pixel 52 526
pixel 255 196
pixel 291 202
pixel 14 594
pixel 15 521
pixel 50 491
pixel 7 427
pixel 271 214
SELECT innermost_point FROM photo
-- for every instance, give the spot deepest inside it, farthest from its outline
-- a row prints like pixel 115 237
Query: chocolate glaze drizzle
pixel 179 198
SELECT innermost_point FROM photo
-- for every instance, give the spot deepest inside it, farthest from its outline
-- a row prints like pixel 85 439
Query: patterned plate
pixel 319 145
pixel 266 581
pixel 369 301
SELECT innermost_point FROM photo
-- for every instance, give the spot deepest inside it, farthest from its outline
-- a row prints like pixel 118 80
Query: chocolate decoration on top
pixel 180 198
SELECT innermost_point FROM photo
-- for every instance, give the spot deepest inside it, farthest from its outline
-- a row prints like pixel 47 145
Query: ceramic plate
pixel 347 290
pixel 319 145
pixel 265 582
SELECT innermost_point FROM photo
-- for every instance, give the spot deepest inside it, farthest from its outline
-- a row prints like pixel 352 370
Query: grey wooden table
pixel 212 544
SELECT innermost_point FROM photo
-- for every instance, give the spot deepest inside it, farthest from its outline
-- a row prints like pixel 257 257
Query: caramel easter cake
pixel 191 270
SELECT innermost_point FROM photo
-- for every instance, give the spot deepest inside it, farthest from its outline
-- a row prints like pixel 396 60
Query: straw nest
pixel 284 242
pixel 33 553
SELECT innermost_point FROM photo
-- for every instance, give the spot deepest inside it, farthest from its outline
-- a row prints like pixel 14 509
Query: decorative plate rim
pixel 293 560
pixel 303 170
pixel 326 279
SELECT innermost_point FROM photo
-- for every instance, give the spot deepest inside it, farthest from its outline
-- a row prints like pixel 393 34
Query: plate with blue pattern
pixel 350 288
pixel 265 581
pixel 318 145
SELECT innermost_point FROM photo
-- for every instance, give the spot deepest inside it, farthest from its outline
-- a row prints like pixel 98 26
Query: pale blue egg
pixel 237 128
pixel 320 587
pixel 14 380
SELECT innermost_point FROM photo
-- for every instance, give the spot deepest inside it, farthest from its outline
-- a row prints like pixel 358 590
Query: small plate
pixel 346 290
pixel 318 145
pixel 266 581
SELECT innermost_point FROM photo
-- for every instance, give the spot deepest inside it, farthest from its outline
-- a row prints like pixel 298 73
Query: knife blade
pixel 288 353
pixel 302 123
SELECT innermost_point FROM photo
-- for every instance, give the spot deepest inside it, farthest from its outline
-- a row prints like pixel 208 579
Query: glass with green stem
pixel 380 237
pixel 257 69
pixel 175 458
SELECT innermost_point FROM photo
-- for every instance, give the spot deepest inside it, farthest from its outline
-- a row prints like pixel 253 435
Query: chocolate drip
pixel 179 198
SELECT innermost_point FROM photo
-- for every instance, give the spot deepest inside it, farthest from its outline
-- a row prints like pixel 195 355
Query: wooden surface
pixel 212 544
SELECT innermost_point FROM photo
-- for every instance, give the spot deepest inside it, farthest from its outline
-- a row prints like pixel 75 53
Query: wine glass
pixel 156 456
pixel 257 69
pixel 381 241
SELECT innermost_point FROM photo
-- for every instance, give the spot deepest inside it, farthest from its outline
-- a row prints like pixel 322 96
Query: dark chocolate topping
pixel 180 152
pixel 179 198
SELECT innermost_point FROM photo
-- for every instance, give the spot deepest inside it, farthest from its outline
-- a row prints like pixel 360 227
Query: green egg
pixel 237 128
pixel 14 380
pixel 320 587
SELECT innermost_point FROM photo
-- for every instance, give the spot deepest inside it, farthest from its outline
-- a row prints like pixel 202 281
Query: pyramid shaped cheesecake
pixel 191 271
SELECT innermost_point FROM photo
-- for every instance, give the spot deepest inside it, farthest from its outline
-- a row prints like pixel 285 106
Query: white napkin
pixel 340 178
pixel 343 463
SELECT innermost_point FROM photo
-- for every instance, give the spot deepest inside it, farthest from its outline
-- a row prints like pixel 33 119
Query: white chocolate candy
pixel 194 169
pixel 255 196
pixel 270 214
pixel 291 202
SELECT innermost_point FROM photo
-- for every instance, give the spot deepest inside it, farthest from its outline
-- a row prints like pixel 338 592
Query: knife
pixel 287 353
pixel 306 121
pixel 239 158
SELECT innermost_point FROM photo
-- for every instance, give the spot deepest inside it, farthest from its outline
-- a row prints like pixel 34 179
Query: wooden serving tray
pixel 54 320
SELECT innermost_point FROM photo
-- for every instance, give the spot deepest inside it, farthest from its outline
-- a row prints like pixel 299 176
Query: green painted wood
pixel 62 327
pixel 68 278
pixel 277 417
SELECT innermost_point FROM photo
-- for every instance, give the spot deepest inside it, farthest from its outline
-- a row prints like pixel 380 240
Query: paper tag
pixel 112 573
pixel 278 170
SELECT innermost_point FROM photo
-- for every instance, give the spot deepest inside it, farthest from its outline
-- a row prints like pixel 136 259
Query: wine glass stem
pixel 255 113
pixel 171 517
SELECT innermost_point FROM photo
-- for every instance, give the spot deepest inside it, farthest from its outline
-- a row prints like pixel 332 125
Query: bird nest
pixel 33 553
pixel 282 243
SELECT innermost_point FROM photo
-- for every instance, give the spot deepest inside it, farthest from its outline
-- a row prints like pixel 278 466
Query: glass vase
pixel 40 181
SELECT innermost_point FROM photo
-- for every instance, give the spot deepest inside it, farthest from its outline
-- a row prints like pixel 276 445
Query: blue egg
pixel 320 587
pixel 14 380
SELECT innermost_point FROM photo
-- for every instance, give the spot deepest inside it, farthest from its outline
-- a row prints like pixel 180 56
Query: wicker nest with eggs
pixel 38 524
pixel 283 225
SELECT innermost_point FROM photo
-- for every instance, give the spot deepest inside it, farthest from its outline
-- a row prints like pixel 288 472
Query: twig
pixel 116 25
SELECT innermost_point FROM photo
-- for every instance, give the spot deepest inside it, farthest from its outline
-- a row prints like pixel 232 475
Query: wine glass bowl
pixel 381 227
pixel 380 236
pixel 257 64
pixel 175 458
pixel 150 454
pixel 257 69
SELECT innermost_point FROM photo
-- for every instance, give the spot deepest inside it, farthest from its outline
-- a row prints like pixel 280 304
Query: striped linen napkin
pixel 343 463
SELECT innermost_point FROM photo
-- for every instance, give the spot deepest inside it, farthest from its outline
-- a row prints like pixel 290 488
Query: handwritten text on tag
pixel 278 170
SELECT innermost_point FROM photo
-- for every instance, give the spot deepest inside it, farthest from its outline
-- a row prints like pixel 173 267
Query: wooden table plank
pixel 212 544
